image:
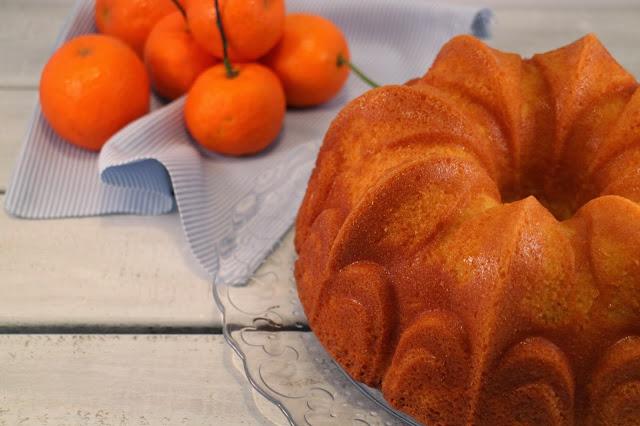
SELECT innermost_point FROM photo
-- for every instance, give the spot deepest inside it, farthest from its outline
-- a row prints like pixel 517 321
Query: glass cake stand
pixel 264 323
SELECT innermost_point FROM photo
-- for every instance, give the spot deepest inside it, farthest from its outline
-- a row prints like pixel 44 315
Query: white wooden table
pixel 80 299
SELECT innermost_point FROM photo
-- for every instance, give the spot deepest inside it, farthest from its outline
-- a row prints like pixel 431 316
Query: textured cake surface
pixel 470 241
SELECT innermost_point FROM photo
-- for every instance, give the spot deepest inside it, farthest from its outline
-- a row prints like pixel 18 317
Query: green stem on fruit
pixel 342 61
pixel 180 8
pixel 231 72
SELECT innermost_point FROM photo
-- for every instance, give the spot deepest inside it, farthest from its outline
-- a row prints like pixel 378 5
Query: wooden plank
pixel 123 380
pixel 103 271
pixel 28 29
pixel 122 271
pixel 16 107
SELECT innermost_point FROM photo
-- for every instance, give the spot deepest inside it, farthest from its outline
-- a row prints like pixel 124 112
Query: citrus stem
pixel 357 71
pixel 180 8
pixel 231 72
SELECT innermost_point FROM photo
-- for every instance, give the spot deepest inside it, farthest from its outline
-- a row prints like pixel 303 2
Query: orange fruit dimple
pixel 131 20
pixel 92 86
pixel 235 116
pixel 252 27
pixel 172 56
pixel 306 60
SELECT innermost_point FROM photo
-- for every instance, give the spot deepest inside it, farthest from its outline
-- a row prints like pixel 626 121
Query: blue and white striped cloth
pixel 233 210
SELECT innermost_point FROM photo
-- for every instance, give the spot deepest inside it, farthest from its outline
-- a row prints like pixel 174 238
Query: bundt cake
pixel 469 242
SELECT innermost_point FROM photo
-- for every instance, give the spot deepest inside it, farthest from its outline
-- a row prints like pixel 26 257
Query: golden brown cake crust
pixel 470 242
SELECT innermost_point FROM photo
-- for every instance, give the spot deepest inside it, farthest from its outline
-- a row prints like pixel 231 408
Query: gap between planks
pixel 99 329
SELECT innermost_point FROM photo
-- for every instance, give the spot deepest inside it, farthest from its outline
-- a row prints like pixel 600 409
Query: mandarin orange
pixel 252 26
pixel 92 86
pixel 131 20
pixel 173 57
pixel 310 60
pixel 237 115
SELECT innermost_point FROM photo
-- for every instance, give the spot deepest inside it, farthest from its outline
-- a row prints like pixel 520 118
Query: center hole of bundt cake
pixel 559 198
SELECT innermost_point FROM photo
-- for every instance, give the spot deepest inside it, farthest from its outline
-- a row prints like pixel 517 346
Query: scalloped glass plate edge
pixel 283 361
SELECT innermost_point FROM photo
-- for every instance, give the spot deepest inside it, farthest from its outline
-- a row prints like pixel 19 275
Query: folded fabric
pixel 233 210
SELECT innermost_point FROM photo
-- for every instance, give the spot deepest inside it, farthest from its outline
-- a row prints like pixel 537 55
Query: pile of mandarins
pixel 240 63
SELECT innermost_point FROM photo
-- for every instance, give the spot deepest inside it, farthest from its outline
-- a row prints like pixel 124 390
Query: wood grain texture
pixel 122 380
pixel 104 271
pixel 28 30
pixel 137 271
pixel 122 271
pixel 29 27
